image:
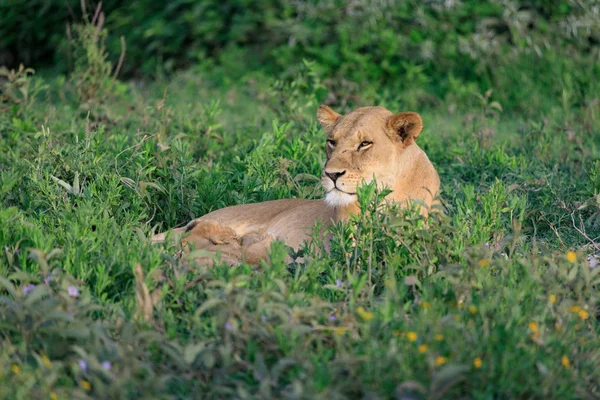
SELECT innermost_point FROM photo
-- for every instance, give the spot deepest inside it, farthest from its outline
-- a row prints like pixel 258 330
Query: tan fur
pixel 365 144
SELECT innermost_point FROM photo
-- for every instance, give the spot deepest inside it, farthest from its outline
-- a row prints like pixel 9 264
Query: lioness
pixel 367 143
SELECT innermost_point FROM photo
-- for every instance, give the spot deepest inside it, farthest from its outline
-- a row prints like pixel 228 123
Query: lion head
pixel 374 143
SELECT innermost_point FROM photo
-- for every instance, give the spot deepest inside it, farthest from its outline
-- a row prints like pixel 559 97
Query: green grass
pixel 402 312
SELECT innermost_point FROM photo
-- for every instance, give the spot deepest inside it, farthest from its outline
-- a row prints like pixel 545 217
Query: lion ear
pixel 406 126
pixel 327 117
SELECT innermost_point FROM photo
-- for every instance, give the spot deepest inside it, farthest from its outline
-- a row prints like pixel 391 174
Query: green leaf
pixel 208 359
pixel 9 287
pixel 76 184
pixel 37 294
pixel 410 390
pixel 448 376
pixel 207 305
pixel 495 105
pixel 281 366
pixel 201 254
pixel 191 351
pixel 573 273
pixel 62 183
pixel 306 178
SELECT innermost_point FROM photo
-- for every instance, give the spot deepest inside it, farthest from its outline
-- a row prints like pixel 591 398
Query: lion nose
pixel 334 175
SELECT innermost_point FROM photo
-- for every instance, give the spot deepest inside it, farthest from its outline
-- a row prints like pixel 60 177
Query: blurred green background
pixel 529 51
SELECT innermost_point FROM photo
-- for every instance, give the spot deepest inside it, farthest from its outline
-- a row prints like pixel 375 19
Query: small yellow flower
pixel 571 256
pixel 484 263
pixel 339 331
pixel 477 362
pixel 472 309
pixel 533 326
pixel 426 305
pixel 583 314
pixel 46 361
pixel 86 385
pixel 575 309
pixel 15 368
pixel 565 362
pixel 440 360
pixel 412 336
pixel 53 396
pixel 367 315
pixel 552 298
pixel 439 337
pixel 423 348
pixel 535 335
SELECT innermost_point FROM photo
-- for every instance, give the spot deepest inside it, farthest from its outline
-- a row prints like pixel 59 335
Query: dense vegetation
pixel 213 105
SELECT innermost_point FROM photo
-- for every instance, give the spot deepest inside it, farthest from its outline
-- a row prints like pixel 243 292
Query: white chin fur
pixel 335 198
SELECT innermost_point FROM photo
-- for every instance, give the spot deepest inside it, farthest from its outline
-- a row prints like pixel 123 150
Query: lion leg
pixel 213 237
pixel 213 232
pixel 209 258
pixel 255 247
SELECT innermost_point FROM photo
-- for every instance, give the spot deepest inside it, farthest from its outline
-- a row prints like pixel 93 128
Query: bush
pixel 411 50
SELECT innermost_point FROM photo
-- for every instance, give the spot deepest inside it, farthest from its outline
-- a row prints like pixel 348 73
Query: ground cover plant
pixel 495 298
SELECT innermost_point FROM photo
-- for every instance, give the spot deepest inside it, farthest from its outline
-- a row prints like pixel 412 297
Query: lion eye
pixel 331 143
pixel 364 144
